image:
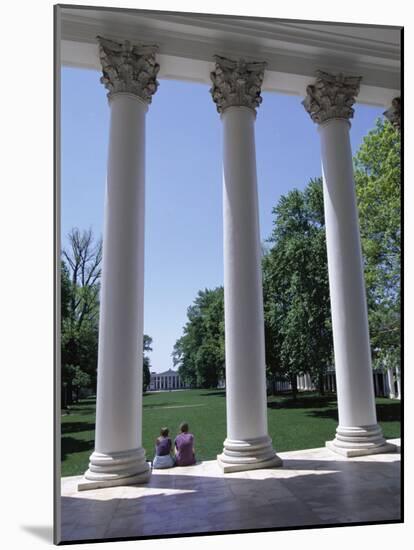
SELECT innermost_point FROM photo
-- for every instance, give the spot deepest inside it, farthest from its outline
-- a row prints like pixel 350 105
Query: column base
pixel 114 469
pixel 360 441
pixel 248 454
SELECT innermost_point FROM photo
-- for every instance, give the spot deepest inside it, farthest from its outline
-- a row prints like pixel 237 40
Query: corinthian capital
pixel 129 68
pixel 332 96
pixel 236 83
pixel 394 113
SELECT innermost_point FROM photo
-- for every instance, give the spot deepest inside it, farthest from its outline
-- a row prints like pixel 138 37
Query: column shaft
pixel 236 92
pixel 247 444
pixel 391 387
pixel 397 374
pixel 245 362
pixel 358 431
pixel 129 74
pixel 118 457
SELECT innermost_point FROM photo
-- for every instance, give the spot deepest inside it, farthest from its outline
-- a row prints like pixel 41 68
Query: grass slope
pixel 302 424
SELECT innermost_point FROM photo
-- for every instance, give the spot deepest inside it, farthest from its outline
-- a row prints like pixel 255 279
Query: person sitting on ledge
pixel 163 457
pixel 184 447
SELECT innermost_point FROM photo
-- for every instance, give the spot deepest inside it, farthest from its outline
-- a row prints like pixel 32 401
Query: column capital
pixel 236 83
pixel 130 68
pixel 393 114
pixel 332 96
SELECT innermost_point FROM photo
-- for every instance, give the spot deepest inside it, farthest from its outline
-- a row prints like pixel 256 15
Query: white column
pixel 391 387
pixel 118 458
pixel 398 376
pixel 236 91
pixel 329 104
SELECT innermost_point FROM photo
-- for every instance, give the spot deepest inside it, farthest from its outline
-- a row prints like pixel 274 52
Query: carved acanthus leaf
pixel 236 83
pixel 394 113
pixel 332 96
pixel 129 68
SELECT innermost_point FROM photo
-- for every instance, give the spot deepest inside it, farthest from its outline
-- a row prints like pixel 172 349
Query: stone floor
pixel 314 487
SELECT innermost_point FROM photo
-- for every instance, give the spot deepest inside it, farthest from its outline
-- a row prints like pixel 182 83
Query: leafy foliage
pixel 296 288
pixel 378 187
pixel 298 332
pixel 199 353
pixel 147 346
pixel 80 276
pixel 80 286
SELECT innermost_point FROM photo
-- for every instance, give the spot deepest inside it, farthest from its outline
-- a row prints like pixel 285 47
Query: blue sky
pixel 183 242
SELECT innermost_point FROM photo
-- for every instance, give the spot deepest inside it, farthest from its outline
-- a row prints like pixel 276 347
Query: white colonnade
pixel 329 103
pixel 236 92
pixel 129 74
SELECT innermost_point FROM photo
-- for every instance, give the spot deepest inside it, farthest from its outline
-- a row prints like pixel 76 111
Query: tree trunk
pixel 69 397
pixel 64 399
pixel 294 384
pixel 273 384
pixel 321 384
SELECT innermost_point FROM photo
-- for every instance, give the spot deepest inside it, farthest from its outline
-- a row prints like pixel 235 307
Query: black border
pixel 402 339
pixel 56 285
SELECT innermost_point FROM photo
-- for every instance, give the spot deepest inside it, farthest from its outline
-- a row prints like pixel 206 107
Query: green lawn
pixel 306 423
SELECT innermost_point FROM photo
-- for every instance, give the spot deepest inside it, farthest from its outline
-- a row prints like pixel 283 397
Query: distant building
pixel 168 380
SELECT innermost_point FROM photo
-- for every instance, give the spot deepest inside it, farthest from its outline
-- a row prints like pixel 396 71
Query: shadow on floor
pixel 42 532
pixel 307 493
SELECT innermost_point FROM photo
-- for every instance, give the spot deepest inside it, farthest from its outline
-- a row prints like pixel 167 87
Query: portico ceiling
pixel 293 50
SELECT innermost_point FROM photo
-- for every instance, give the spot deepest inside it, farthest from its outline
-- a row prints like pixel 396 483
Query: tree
pixel 146 372
pixel 378 187
pixel 80 380
pixel 80 283
pixel 199 353
pixel 295 278
pixel 296 288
